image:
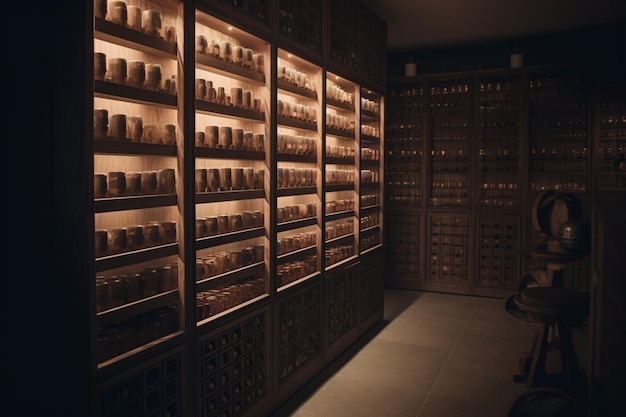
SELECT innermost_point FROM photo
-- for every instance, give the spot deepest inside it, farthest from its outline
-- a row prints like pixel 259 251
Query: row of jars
pixel 369 221
pixel 296 77
pixel 295 242
pixel 238 97
pixel 370 131
pixel 366 242
pixel 370 154
pixel 563 152
pixel 296 212
pixel 147 21
pixel 296 177
pixel 370 105
pixel 123 336
pixel 121 183
pixel 339 229
pixel 134 73
pixel 405 194
pixel 338 121
pixel 337 151
pixel 369 176
pixel 234 54
pixel 506 199
pixel 296 145
pixel 208 266
pixel 370 200
pixel 122 127
pixel 449 91
pixel 227 223
pixel 228 137
pixel 117 290
pixel 296 111
pixel 338 254
pixel 340 176
pixel 228 179
pixel 117 240
pixel 339 205
pixel 214 301
pixel 336 92
pixel 448 201
pixel 292 271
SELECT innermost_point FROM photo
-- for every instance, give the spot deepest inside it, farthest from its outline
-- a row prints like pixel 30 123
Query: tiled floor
pixel 433 355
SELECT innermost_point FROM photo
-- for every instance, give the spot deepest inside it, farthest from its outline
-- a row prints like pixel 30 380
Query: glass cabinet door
pixel 372 170
pixel 298 180
pixel 341 176
pixel 136 188
pixel 231 180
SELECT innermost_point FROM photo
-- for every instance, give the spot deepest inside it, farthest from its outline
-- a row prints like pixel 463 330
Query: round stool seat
pixel 557 303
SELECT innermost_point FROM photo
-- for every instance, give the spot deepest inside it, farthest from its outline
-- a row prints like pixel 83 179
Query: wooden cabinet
pixel 237 187
pixel 488 142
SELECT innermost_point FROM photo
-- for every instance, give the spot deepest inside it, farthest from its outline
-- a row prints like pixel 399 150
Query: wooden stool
pixel 555 309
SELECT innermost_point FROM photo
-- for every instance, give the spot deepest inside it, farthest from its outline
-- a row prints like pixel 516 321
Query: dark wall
pixel 45 363
pixel 603 45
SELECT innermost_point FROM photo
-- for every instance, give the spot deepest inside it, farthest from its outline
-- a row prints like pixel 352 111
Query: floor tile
pixel 396 364
pixel 441 306
pixel 346 397
pixel 442 333
pixel 479 377
pixel 491 310
pixel 440 406
pixel 396 301
pixel 497 339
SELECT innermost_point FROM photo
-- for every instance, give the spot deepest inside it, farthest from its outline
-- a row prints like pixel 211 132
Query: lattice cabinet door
pixel 403 263
pixel 233 368
pixel 154 388
pixel 448 245
pixel 498 246
pixel 299 352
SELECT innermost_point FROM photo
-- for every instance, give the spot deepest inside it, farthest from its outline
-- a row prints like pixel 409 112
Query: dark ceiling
pixel 428 24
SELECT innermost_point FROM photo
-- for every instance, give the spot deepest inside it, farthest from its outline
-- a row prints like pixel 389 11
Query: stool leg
pixel 537 366
pixel 569 362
